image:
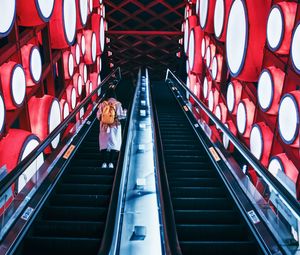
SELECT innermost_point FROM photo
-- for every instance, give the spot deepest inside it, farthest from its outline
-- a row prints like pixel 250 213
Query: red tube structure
pixel 45 116
pixel 13 85
pixel 195 60
pixel 288 118
pixel 91 47
pixel 295 51
pixel 221 18
pixel 2 114
pixel 213 99
pixel 23 143
pixel 245 117
pixel 78 83
pixel 234 95
pixel 99 64
pixel 88 87
pixel 261 138
pixel 65 109
pixel 281 167
pixel 32 64
pixel 81 13
pixel 204 44
pixel 71 96
pixel 76 52
pixel 68 61
pixel 269 89
pixel 216 67
pixel 34 12
pixel 7 17
pixel 280 25
pixel 245 38
pixel 63 24
pixel 190 23
pixel 97 3
pixel 221 112
pixel 206 15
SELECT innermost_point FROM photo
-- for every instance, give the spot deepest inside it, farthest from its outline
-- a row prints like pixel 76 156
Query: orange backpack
pixel 108 115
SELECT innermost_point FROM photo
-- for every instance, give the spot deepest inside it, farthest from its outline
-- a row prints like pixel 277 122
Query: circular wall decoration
pixel 7 17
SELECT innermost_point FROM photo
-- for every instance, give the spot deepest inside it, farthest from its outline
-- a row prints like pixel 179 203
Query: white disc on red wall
pixel 18 85
pixel 83 12
pixel 265 90
pixel 275 28
pixel 288 117
pixel 35 64
pixel 69 20
pixel 203 12
pixel 236 37
pixel 295 49
pixel 7 16
pixel 2 114
pixel 241 118
pixel 102 34
pixel 66 110
pixel 45 8
pixel 256 142
pixel 219 18
pixel 54 121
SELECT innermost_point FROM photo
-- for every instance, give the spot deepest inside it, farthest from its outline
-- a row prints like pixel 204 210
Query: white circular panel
pixel 73 98
pixel 203 12
pixel 205 87
pixel 226 139
pixel 275 166
pixel 18 85
pixel 295 51
pixel 192 50
pixel 54 121
pixel 214 68
pixel 256 142
pixel 186 35
pixel 208 56
pixel 230 98
pixel 66 110
pixel 85 74
pixel 71 65
pixel 69 19
pixel 241 118
pixel 197 7
pixel 2 113
pixel 83 47
pixel 46 7
pixel 288 119
pixel 219 16
pixel 265 90
pixel 35 65
pixel 77 54
pixel 218 112
pixel 203 47
pixel 275 28
pixel 79 84
pixel 83 10
pixel 102 35
pixel 7 16
pixel 211 100
pixel 94 47
pixel 236 37
pixel 91 5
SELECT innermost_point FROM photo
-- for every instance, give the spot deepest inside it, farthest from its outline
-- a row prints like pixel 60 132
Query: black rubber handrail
pixel 291 202
pixel 10 178
pixel 112 209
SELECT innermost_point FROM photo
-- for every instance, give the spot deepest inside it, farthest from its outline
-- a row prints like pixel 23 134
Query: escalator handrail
pixel 290 201
pixel 11 177
pixel 112 209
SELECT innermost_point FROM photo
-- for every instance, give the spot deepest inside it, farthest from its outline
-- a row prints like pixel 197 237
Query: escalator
pixel 206 219
pixel 72 221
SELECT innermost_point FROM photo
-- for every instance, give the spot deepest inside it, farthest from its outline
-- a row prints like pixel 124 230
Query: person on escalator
pixel 110 113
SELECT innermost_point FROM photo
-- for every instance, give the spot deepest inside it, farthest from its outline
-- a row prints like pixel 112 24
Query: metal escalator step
pixel 61 246
pixel 88 179
pixel 90 170
pixel 216 232
pixel 192 174
pixel 194 182
pixel 198 192
pixel 86 189
pixel 206 217
pixel 201 203
pixel 82 229
pixel 79 200
pixel 218 247
pixel 75 213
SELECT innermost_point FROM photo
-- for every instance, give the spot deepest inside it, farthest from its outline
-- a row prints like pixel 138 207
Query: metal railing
pixel 291 203
pixel 12 177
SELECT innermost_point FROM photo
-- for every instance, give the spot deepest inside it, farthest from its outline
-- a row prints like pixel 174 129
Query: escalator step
pixel 59 246
pixel 198 192
pixel 92 170
pixel 82 229
pixel 85 189
pixel 79 200
pixel 201 203
pixel 88 179
pixel 194 182
pixel 75 213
